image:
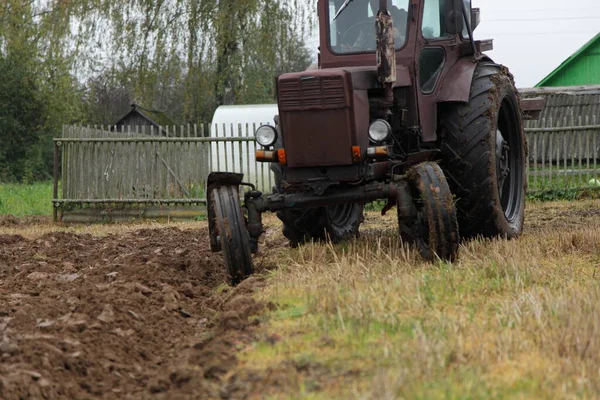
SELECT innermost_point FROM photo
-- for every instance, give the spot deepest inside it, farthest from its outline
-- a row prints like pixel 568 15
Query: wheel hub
pixel 502 161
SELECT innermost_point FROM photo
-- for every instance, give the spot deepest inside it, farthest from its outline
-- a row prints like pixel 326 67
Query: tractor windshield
pixel 354 29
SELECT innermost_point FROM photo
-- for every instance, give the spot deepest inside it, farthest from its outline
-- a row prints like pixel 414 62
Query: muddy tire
pixel 233 235
pixel 484 150
pixel 343 221
pixel 431 225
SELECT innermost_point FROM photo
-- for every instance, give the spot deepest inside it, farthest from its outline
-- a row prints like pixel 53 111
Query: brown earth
pixel 145 313
pixel 133 315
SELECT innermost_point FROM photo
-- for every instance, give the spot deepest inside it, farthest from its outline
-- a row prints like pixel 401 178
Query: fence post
pixel 56 177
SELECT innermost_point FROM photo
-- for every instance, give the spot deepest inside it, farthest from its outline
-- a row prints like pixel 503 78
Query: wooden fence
pixel 109 175
pixel 112 175
pixel 565 155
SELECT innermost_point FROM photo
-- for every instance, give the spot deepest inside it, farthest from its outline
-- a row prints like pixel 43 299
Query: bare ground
pixel 122 316
pixel 141 313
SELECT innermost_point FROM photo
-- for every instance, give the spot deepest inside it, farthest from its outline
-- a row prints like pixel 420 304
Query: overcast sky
pixel 533 37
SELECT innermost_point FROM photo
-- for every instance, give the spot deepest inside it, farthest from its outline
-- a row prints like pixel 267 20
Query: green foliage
pixel 189 57
pixel 377 205
pixel 86 61
pixel 26 200
pixel 22 118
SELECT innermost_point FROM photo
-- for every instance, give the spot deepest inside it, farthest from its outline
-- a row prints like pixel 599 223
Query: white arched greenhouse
pixel 239 156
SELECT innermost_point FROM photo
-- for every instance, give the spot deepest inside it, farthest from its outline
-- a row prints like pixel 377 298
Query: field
pixel 142 311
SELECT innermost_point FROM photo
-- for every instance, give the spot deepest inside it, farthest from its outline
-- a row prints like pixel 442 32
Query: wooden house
pixel 144 121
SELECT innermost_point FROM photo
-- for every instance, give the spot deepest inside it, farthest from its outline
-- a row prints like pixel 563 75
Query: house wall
pixel 584 70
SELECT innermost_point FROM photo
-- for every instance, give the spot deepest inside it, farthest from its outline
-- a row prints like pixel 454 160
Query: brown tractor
pixel 403 106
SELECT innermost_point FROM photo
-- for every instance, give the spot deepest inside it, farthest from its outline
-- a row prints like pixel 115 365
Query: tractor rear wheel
pixel 432 225
pixel 484 150
pixel 232 234
pixel 336 223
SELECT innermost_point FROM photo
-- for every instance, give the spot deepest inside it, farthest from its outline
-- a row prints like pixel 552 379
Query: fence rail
pixel 95 166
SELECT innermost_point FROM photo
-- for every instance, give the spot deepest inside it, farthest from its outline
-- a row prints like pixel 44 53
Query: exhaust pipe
pixel 386 53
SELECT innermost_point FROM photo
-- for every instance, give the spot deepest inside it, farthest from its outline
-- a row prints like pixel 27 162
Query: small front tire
pixel 432 225
pixel 233 236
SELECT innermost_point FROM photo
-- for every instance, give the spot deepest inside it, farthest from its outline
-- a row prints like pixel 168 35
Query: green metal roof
pixel 579 74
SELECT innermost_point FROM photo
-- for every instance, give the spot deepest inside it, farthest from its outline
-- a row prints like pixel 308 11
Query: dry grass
pixel 39 228
pixel 369 319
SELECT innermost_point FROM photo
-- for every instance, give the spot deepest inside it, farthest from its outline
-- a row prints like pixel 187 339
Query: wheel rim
pixel 338 215
pixel 509 166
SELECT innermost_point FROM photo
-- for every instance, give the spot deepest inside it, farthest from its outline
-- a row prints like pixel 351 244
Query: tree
pixel 22 117
pixel 88 60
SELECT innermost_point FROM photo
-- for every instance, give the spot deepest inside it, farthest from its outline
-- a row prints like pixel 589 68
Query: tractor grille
pixel 312 93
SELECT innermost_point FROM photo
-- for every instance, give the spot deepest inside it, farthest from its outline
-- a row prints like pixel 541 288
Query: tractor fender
pixel 216 180
pixel 456 86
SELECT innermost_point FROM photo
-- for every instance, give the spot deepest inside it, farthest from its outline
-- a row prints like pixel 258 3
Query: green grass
pixel 26 200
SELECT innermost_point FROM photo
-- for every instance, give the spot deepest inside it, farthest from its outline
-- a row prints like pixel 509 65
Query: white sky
pixel 533 37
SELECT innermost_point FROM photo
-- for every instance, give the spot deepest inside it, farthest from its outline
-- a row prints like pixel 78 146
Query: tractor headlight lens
pixel 380 131
pixel 266 135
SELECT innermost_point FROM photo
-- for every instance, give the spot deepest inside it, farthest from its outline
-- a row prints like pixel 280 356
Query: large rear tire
pixel 232 233
pixel 484 150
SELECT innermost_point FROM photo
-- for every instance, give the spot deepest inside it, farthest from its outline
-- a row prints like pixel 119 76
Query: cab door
pixel 437 51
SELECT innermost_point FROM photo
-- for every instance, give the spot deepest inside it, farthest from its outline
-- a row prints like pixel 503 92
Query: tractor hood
pixel 362 78
pixel 324 114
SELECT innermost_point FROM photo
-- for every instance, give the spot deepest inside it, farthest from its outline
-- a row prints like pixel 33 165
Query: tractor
pixel 403 106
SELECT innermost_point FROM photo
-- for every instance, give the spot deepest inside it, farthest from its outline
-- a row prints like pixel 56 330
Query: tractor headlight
pixel 266 135
pixel 380 131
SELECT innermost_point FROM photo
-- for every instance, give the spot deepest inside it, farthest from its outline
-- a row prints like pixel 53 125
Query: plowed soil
pixel 134 315
pixel 141 313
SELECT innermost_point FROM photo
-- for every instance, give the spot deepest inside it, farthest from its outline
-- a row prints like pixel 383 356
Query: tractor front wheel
pixel 231 233
pixel 431 223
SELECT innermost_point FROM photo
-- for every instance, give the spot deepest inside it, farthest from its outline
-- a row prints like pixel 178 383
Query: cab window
pixel 354 30
pixel 433 19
